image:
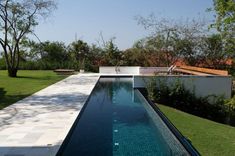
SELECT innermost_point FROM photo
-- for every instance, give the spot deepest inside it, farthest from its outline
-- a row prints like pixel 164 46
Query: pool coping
pixel 66 140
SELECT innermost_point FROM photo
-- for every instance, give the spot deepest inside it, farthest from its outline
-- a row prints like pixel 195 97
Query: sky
pixel 86 19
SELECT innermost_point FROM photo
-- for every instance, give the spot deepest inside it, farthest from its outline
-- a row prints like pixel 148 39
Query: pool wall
pixel 183 140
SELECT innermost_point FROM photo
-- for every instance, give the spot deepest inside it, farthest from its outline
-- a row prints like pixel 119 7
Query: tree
pixel 225 18
pixel 54 52
pixel 225 23
pixel 136 56
pixel 79 51
pixel 171 39
pixel 213 55
pixel 44 55
pixel 17 19
pixel 112 53
pixel 95 58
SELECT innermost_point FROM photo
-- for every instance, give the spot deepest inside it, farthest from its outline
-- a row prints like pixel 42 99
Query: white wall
pixel 152 70
pixel 202 85
pixel 134 70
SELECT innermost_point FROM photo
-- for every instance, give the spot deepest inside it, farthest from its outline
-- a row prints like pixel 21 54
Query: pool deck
pixel 38 124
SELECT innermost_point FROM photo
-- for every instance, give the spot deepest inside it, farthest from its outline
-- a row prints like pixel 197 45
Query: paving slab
pixel 38 124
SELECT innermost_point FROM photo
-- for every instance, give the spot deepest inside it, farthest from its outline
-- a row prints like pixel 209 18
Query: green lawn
pixel 209 138
pixel 27 83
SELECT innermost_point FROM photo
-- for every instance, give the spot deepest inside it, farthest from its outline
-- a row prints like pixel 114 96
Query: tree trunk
pixel 12 72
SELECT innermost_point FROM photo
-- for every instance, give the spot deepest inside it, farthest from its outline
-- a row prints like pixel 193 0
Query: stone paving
pixel 38 124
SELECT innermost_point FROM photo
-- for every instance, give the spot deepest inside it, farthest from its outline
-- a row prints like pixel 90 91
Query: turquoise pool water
pixel 117 120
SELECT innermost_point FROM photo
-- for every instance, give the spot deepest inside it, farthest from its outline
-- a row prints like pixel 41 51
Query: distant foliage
pixel 45 56
pixel 78 55
pixel 186 41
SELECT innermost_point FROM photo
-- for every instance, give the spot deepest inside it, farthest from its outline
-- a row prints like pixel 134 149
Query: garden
pixel 26 65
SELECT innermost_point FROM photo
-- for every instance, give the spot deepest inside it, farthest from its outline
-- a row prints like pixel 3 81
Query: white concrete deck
pixel 38 124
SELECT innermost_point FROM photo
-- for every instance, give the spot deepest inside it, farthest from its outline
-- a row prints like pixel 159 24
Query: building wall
pixel 201 85
pixel 131 70
pixel 119 70
pixel 153 70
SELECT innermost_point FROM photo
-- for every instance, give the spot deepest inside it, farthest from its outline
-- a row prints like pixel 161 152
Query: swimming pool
pixel 117 120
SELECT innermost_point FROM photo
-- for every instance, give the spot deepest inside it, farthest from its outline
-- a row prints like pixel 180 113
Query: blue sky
pixel 114 18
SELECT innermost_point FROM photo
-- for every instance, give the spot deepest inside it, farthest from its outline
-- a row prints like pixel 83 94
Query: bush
pixel 230 108
pixel 177 96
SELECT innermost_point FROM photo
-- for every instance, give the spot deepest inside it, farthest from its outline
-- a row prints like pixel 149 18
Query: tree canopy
pixel 225 23
pixel 17 19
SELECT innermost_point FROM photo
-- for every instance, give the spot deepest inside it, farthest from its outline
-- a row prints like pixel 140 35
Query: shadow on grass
pixel 2 98
pixel 38 78
pixel 6 100
pixel 2 92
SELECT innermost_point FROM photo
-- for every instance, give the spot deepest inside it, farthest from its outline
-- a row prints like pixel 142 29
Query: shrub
pixel 176 95
pixel 231 104
pixel 151 89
